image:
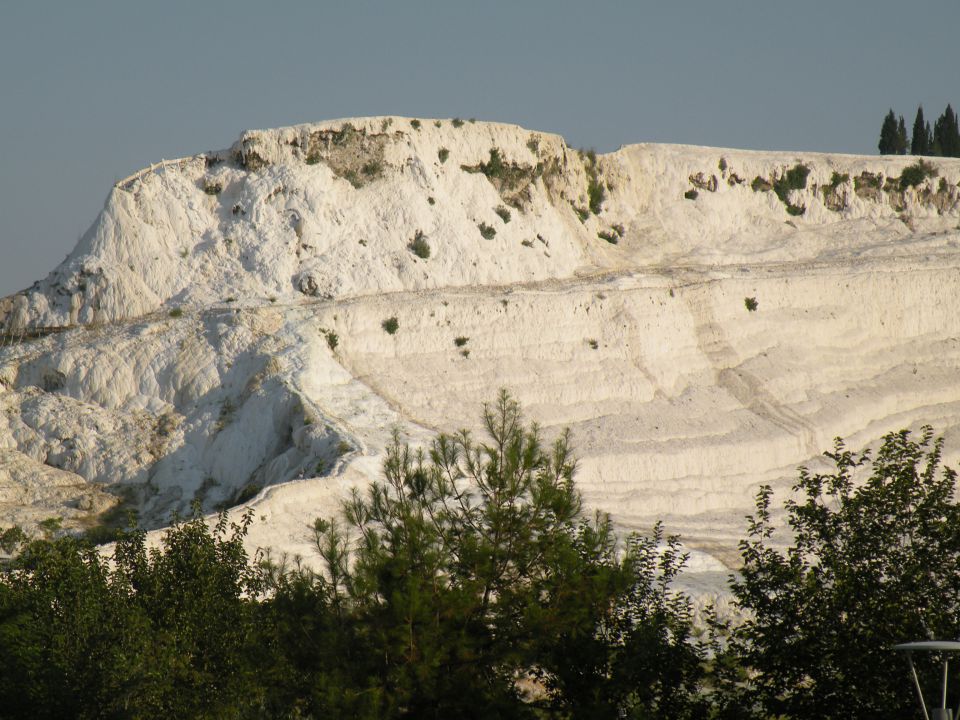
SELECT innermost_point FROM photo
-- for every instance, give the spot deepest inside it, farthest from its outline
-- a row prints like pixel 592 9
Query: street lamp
pixel 941 646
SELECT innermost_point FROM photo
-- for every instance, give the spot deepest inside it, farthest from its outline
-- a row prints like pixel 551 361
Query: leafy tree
pixel 161 632
pixel 469 572
pixel 888 135
pixel 874 561
pixel 922 141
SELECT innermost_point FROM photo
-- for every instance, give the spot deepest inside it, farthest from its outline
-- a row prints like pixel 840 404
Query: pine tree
pixel 888 135
pixel 920 144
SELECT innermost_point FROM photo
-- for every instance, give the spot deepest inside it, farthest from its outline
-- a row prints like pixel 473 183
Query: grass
pixel 486 231
pixel 443 154
pixel 582 213
pixel 419 246
pixel 610 237
pixel 503 213
pixel 390 325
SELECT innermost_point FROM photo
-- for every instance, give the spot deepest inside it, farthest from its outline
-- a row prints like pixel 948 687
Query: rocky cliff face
pixel 703 319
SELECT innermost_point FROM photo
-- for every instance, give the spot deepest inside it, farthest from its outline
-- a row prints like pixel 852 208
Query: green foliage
pixel 596 193
pixel 390 325
pixel 610 236
pixel 691 194
pixel 794 178
pixel 332 340
pixel 176 312
pixel 838 179
pixel 211 187
pixel 149 633
pixel 474 567
pixel 457 123
pixel 415 124
pixel 533 145
pixel 760 184
pixel 372 169
pixel 443 154
pixel 915 174
pixel 248 492
pixel 486 231
pixel 922 142
pixel 12 538
pixel 503 213
pixel 888 135
pixel 874 560
pixel 419 245
pixel 751 303
pixel 582 213
pixel 460 341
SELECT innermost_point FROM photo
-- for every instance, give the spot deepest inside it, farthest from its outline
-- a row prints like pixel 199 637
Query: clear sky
pixel 92 91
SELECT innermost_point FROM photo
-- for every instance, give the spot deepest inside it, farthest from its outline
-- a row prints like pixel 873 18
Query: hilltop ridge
pixel 703 319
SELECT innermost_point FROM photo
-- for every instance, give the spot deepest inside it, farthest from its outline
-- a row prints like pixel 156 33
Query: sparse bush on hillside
pixel 838 179
pixel 486 231
pixel 457 123
pixel 582 213
pixel 760 184
pixel 609 236
pixel 691 194
pixel 503 213
pixel 419 245
pixel 176 312
pixel 443 154
pixel 390 325
pixel 211 187
pixel 415 124
pixel 332 339
pixel 751 303
pixel 915 174
pixel 794 178
pixel 460 341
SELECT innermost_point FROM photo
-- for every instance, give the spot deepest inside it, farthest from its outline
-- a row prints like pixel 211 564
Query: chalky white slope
pixel 217 333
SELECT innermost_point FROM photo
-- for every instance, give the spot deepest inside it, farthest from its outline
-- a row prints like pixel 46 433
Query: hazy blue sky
pixel 91 91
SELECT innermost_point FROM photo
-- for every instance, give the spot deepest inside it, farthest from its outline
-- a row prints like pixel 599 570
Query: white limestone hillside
pixel 220 326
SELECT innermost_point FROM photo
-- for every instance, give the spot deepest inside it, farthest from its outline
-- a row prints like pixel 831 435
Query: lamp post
pixel 939 646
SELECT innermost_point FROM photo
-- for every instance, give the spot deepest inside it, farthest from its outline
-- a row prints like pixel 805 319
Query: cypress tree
pixel 888 135
pixel 920 145
pixel 902 140
pixel 946 134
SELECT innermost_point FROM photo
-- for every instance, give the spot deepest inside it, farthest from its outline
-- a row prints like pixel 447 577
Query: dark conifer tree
pixel 946 134
pixel 902 139
pixel 920 145
pixel 888 134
